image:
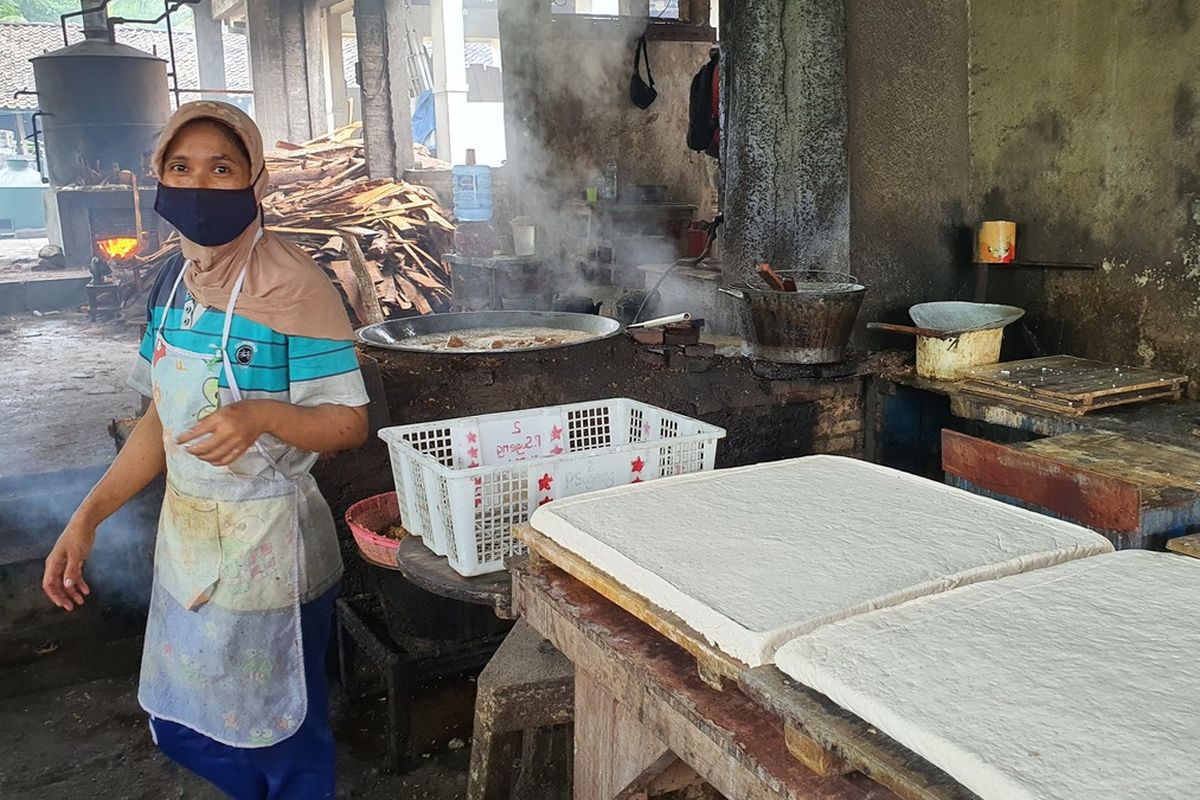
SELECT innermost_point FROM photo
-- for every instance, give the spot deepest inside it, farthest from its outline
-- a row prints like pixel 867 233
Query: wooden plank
pixel 1085 496
pixel 1075 408
pixel 612 749
pixel 1073 379
pixel 848 737
pixel 713 666
pixel 735 744
pixel 365 278
pixel 349 282
pixel 1166 473
pixel 1185 545
pixel 811 754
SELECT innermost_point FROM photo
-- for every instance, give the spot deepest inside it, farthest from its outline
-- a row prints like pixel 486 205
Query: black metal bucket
pixel 808 326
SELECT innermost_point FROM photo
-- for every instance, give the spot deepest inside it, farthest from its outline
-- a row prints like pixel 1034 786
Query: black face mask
pixel 208 217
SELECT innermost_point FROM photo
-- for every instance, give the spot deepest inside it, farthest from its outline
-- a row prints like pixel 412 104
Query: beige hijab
pixel 284 288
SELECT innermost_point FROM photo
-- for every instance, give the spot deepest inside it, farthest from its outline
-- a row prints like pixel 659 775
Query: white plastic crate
pixel 464 483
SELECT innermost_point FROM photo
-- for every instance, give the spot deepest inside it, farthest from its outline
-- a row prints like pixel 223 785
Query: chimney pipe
pixel 95 23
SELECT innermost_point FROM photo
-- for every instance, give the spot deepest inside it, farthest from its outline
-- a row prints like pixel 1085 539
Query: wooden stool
pixel 103 297
pixel 525 705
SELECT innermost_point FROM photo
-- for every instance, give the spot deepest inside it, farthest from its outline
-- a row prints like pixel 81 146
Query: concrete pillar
pixel 335 92
pixel 315 66
pixel 400 82
pixel 783 143
pixel 289 94
pixel 210 49
pixel 383 79
pixel 266 70
pixel 449 78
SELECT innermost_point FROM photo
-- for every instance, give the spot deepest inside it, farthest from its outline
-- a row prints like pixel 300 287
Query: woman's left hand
pixel 231 431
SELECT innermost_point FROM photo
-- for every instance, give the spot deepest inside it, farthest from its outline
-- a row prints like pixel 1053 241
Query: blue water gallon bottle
pixel 472 190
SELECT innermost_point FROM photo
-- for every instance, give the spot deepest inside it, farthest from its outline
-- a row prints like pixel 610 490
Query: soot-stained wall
pixel 1085 130
pixel 846 145
pixel 786 196
pixel 568 109
pixel 1080 120
pixel 908 154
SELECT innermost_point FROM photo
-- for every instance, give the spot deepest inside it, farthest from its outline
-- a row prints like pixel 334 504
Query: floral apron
pixel 223 652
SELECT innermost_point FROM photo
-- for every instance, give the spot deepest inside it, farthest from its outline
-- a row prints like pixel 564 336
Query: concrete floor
pixel 18 257
pixel 64 382
pixel 91 739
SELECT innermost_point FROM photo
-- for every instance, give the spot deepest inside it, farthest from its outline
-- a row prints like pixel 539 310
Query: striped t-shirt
pixel 266 365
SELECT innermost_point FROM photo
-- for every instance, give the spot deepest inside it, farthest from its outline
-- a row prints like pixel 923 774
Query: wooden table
pixel 638 700
pixel 1138 489
pixel 644 716
pixel 1178 419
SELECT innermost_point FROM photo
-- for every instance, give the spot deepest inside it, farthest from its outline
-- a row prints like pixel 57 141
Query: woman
pixel 250 371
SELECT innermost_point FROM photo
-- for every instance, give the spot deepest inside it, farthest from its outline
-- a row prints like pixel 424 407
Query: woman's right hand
pixel 63 579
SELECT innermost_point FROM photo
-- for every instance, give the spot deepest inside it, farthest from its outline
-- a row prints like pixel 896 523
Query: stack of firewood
pixel 381 241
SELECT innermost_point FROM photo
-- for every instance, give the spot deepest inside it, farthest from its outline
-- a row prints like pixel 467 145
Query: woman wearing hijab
pixel 250 368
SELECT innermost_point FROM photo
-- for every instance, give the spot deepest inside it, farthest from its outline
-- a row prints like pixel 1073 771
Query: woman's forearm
pixel 318 429
pixel 140 461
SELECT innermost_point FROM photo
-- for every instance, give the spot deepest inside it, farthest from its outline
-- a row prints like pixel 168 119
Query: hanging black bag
pixel 703 120
pixel 640 92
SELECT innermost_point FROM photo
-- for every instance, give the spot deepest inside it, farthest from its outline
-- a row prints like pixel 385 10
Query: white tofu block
pixel 753 557
pixel 1077 681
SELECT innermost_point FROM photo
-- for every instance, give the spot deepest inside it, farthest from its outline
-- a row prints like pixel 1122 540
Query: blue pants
pixel 298 768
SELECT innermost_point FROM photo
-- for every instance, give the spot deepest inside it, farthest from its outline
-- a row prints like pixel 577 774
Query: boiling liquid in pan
pixel 525 338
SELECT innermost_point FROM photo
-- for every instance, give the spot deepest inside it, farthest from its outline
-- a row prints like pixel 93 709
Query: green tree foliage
pixel 9 11
pixel 51 10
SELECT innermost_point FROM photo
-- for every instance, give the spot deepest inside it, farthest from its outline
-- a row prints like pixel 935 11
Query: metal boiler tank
pixel 102 107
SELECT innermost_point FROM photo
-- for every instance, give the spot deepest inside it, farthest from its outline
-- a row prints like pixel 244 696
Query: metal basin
pixel 394 334
pixel 809 326
pixel 958 316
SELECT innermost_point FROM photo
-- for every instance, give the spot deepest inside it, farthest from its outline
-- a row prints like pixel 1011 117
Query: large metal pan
pixel 393 333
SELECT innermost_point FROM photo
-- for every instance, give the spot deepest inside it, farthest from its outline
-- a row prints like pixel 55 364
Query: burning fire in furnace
pixel 118 248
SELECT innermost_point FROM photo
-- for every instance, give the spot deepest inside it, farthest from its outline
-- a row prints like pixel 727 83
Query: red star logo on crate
pixel 545 482
pixel 556 451
pixel 556 433
pixel 472 438
pixel 474 454
pixel 637 465
pixel 544 500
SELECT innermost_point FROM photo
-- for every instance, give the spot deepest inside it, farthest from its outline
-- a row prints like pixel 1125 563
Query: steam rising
pixel 569 114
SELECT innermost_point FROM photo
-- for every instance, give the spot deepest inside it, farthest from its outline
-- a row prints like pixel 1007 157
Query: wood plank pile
pixel 380 241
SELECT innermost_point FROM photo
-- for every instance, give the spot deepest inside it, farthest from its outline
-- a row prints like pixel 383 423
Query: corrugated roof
pixel 21 41
pixel 477 52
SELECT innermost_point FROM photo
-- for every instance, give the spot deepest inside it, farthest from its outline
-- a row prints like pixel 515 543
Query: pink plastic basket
pixel 367 520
